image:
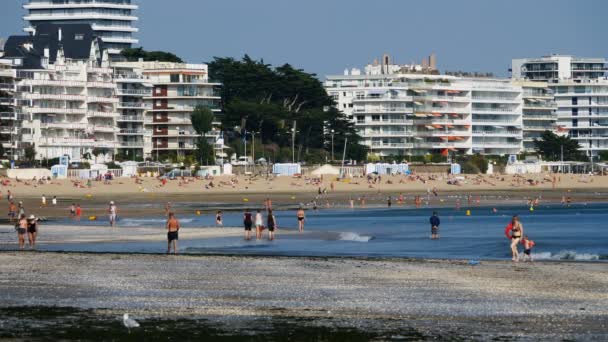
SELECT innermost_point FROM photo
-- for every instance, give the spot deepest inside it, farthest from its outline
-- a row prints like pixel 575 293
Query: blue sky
pixel 326 36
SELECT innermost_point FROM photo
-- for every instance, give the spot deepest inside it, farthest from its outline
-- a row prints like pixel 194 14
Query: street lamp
pixel 332 145
pixel 177 139
pixel 293 145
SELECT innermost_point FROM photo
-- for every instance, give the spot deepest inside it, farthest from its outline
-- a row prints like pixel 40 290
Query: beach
pixel 434 299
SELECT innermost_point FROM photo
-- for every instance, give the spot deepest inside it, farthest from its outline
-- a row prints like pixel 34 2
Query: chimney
pixel 433 61
pixel 59 34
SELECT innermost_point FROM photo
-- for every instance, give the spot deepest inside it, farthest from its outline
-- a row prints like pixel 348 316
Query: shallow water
pixel 578 233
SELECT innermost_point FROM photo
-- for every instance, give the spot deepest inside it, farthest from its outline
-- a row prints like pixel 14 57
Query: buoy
pixel 245 199
pixel 293 197
pixel 92 218
pixel 198 213
pixel 468 213
pixel 89 195
pixel 531 208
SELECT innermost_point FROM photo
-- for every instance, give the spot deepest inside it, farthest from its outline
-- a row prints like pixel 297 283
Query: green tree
pixel 550 145
pixel 135 54
pixel 266 100
pixel 202 121
pixel 30 153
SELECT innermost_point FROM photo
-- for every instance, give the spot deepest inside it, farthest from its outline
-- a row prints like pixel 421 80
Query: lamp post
pixel 177 140
pixel 332 145
pixel 293 145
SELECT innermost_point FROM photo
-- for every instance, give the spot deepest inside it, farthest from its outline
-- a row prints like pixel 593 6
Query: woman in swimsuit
pixel 517 231
pixel 22 230
pixel 32 230
pixel 272 223
pixel 218 218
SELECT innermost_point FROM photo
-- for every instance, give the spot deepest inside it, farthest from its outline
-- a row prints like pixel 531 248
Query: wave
pixel 130 222
pixel 568 255
pixel 349 236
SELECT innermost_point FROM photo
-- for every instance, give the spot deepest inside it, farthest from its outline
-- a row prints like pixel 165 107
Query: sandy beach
pixel 436 299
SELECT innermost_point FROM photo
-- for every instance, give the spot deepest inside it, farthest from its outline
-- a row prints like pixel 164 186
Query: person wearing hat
pixel 112 210
pixel 32 230
pixel 20 209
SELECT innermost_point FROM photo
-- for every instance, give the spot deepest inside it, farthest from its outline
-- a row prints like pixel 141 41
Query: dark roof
pixel 76 40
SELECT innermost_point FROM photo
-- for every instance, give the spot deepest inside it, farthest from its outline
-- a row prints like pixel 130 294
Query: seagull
pixel 129 322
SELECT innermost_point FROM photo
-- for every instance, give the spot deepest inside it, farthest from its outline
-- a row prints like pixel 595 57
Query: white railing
pixel 134 92
pixel 130 118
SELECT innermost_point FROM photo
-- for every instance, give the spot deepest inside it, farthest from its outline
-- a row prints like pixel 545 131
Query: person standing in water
pixel 389 201
pixel 247 222
pixel 112 211
pixel 301 216
pixel 515 232
pixel 20 210
pixel 78 212
pixel 218 218
pixel 172 233
pixel 73 210
pixel 271 222
pixel 21 231
pixel 528 244
pixel 259 226
pixel 32 230
pixel 435 222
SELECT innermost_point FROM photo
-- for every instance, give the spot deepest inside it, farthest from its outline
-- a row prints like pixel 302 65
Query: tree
pixel 30 153
pixel 202 121
pixel 550 147
pixel 267 100
pixel 135 54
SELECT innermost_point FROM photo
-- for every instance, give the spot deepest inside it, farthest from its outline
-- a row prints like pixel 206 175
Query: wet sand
pixel 438 299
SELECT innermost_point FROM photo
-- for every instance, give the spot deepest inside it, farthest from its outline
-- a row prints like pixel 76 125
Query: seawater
pixel 578 232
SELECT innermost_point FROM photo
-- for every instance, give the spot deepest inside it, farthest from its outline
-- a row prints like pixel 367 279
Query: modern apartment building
pixel 539 112
pixel 9 123
pixel 580 89
pixel 65 94
pixel 165 94
pixel 112 20
pixel 415 113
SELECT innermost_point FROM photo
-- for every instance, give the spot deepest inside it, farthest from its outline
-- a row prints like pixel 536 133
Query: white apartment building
pixel 9 123
pixel 580 89
pixel 539 112
pixel 65 95
pixel 400 114
pixel 165 94
pixel 112 20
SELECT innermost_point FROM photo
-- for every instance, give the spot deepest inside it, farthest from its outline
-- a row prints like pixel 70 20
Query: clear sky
pixel 326 36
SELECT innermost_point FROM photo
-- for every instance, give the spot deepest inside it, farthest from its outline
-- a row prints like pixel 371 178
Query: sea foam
pixel 566 255
pixel 349 236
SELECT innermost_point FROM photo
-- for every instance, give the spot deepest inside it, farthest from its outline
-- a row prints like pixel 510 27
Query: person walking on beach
pixel 12 212
pixel 21 231
pixel 247 222
pixel 389 201
pixel 43 201
pixel 271 222
pixel 167 209
pixel 172 233
pixel 514 231
pixel 528 244
pixel 301 216
pixel 32 230
pixel 434 221
pixel 218 218
pixel 112 212
pixel 54 201
pixel 20 209
pixel 259 226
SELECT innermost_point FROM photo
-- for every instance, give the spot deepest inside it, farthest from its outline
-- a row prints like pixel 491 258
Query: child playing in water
pixel 528 244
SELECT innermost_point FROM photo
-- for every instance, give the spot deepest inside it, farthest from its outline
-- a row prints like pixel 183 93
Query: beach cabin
pixel 286 169
pixel 59 171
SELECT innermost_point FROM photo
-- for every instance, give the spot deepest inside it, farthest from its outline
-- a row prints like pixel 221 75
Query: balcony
pixel 63 125
pixel 130 144
pixel 134 92
pixel 102 99
pixel 385 122
pixel 42 110
pixel 130 78
pixel 127 118
pixel 57 97
pixel 391 145
pixel 133 105
pixel 105 129
pixel 130 132
pixel 385 134
pixel 95 114
pixel 442 133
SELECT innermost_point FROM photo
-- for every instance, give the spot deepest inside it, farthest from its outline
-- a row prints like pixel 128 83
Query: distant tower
pixel 386 61
pixel 112 20
pixel 433 62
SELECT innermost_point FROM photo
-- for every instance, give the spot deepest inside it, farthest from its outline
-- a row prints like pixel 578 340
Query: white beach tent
pixel 326 170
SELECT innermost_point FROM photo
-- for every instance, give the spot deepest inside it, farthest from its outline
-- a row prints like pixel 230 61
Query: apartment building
pixel 9 123
pixel 400 113
pixel 165 94
pixel 580 89
pixel 112 20
pixel 539 112
pixel 65 94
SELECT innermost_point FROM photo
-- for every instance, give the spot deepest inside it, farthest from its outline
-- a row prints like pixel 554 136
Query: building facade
pixel 65 95
pixel 539 112
pixel 165 95
pixel 112 20
pixel 400 114
pixel 580 89
pixel 9 119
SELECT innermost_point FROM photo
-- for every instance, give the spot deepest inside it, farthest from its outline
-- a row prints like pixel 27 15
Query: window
pixel 574 122
pixel 174 78
pixel 79 36
pixel 375 117
pixel 574 111
pixel 575 100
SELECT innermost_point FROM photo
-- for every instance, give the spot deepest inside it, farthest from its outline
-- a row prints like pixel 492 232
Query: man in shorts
pixel 434 221
pixel 248 223
pixel 172 231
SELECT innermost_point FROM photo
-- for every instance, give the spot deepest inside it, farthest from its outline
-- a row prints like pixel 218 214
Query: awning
pixel 437 114
pixel 418 103
pixel 453 91
pixel 438 126
pixel 429 127
pixel 418 91
pixel 420 115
